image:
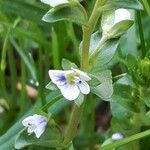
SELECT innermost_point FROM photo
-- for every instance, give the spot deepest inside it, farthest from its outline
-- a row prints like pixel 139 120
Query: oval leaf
pixel 72 13
pixel 51 138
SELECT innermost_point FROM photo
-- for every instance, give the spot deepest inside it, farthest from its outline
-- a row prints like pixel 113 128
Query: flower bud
pixel 116 22
pixel 143 72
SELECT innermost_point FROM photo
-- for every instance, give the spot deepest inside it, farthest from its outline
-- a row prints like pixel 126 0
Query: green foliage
pixel 101 55
pixel 66 12
pixel 134 4
pixel 51 138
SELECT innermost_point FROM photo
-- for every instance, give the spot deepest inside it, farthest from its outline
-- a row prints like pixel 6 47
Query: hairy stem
pixel 87 32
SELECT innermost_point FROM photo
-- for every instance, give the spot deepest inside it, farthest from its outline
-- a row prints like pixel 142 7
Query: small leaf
pixel 145 96
pixel 79 100
pixel 72 13
pixel 131 4
pixel 67 65
pixel 120 28
pixel 132 62
pixel 51 86
pixel 103 55
pixel 50 138
pixel 123 96
pixel 105 89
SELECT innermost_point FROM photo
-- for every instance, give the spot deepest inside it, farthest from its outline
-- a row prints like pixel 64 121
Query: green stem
pixel 141 34
pixel 73 124
pixel 87 32
pixel 55 50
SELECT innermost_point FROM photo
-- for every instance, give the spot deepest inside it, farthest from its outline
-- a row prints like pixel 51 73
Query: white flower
pixel 36 124
pixel 70 82
pixel 122 14
pixel 111 18
pixel 54 3
pixel 117 136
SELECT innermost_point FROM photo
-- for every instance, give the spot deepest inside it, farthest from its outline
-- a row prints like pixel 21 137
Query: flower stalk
pixel 87 32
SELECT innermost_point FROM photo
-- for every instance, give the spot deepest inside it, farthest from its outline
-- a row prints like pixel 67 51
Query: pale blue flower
pixel 70 82
pixel 35 124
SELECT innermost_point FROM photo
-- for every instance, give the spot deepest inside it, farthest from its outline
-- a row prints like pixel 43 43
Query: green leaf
pixel 24 58
pixel 132 62
pixel 105 89
pixel 145 96
pixel 123 97
pixel 131 4
pixel 67 65
pixel 72 13
pixel 103 55
pixel 120 28
pixel 51 86
pixel 79 100
pixel 50 138
pixel 94 80
pixel 22 9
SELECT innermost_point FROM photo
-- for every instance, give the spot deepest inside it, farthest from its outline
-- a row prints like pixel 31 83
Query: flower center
pixel 73 78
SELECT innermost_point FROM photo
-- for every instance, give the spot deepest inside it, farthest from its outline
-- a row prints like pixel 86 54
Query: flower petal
pixel 40 129
pixel 28 120
pixel 70 92
pixel 82 74
pixel 122 14
pixel 58 77
pixel 54 3
pixel 84 87
pixel 31 128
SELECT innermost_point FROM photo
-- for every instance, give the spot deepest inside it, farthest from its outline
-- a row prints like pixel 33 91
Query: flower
pixel 36 124
pixel 54 3
pixel 122 14
pixel 111 18
pixel 70 82
pixel 117 136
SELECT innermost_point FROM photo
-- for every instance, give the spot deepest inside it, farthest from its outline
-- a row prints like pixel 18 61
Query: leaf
pixel 24 58
pixel 131 4
pixel 105 89
pixel 79 100
pixel 50 138
pixel 132 62
pixel 145 96
pixel 120 28
pixel 123 96
pixel 67 65
pixel 72 13
pixel 22 9
pixel 51 86
pixel 103 54
pixel 94 80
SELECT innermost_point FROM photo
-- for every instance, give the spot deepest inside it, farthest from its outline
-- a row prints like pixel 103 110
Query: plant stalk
pixel 87 32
